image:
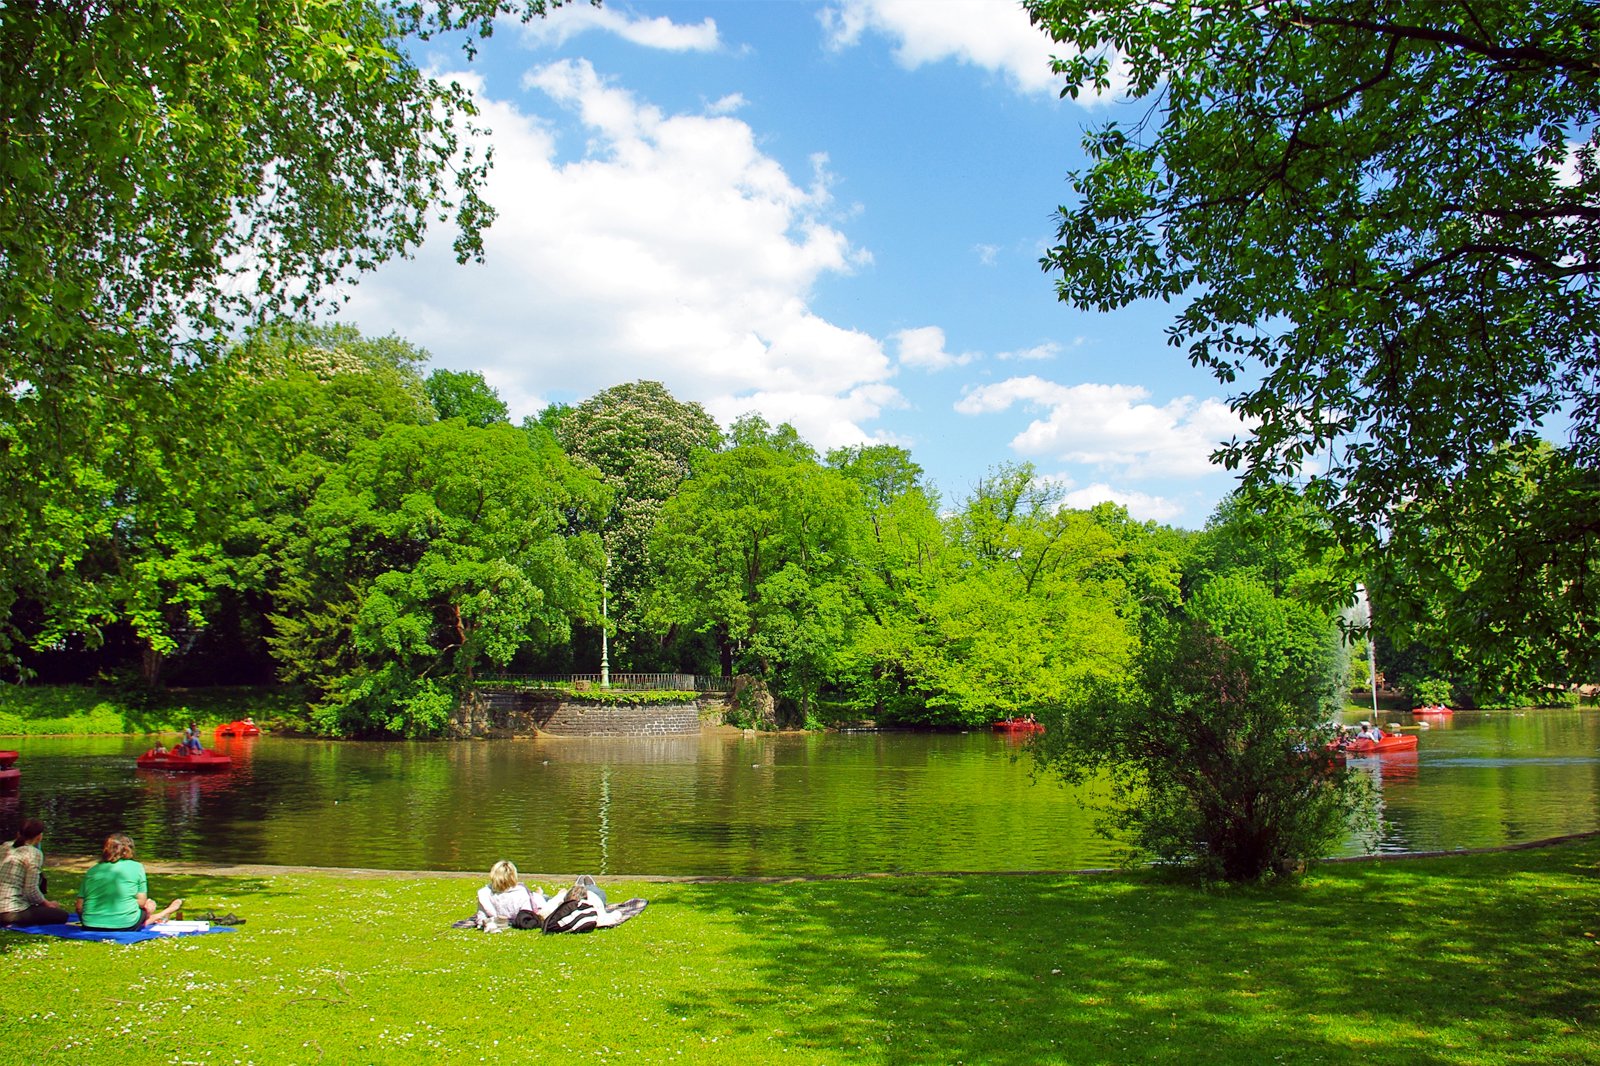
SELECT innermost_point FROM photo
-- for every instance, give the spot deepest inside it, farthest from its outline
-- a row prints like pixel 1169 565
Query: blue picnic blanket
pixel 127 936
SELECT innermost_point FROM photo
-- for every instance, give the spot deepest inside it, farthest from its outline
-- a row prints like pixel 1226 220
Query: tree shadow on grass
pixel 1441 961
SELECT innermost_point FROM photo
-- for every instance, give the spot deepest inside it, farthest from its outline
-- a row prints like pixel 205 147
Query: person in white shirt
pixel 504 897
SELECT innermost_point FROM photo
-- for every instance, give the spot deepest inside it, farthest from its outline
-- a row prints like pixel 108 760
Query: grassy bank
pixel 1478 959
pixel 78 710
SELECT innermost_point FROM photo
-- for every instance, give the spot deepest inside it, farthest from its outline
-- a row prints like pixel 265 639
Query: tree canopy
pixel 430 551
pixel 1381 224
pixel 464 394
pixel 174 172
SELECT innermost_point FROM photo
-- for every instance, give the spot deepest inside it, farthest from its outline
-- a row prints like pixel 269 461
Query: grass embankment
pixel 79 710
pixel 1476 959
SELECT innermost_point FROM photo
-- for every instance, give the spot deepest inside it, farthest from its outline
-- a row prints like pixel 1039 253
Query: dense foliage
pixel 382 539
pixel 1381 222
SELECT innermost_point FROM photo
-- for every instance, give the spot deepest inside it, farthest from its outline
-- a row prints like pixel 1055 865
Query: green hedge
pixel 615 698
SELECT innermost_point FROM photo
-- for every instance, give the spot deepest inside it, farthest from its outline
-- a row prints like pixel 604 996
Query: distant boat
pixel 9 774
pixel 1433 708
pixel 245 728
pixel 1018 725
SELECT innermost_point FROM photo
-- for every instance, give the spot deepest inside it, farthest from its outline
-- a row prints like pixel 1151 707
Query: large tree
pixel 429 552
pixel 172 171
pixel 757 548
pixel 1381 222
pixel 642 440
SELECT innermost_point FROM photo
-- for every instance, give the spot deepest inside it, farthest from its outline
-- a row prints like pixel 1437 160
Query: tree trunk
pixel 150 663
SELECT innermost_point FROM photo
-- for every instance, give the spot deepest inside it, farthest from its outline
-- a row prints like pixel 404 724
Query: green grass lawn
pixel 80 710
pixel 1473 959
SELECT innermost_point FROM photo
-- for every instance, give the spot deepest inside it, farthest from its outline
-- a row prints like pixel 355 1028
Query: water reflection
pixel 733 803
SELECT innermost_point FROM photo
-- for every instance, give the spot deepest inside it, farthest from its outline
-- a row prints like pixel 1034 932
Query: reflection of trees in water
pixel 10 810
pixel 729 803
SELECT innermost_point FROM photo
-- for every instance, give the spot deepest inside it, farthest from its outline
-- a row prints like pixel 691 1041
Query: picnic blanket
pixel 67 931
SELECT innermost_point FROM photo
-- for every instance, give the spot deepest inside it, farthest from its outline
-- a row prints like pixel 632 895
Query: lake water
pixel 730 803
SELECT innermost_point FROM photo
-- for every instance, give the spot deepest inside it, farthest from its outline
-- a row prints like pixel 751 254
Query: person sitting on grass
pixel 22 898
pixel 505 897
pixel 507 903
pixel 583 909
pixel 115 894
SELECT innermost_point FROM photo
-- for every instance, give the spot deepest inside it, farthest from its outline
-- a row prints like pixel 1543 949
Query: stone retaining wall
pixel 525 714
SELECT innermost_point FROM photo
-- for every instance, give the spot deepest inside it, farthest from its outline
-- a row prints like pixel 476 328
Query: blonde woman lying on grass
pixel 506 903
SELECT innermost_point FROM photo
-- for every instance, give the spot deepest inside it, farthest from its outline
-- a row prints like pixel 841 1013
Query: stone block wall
pixel 526 714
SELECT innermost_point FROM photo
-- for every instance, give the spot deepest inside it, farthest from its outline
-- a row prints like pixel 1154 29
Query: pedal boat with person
pixel 203 761
pixel 1368 746
pixel 9 774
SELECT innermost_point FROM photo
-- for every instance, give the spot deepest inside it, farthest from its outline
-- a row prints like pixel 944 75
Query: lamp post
pixel 605 650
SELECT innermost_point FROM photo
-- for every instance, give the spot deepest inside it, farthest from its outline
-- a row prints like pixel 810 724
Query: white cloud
pixel 1141 505
pixel 563 23
pixel 986 253
pixel 1038 353
pixel 1111 426
pixel 672 248
pixel 824 421
pixel 923 348
pixel 993 35
pixel 726 105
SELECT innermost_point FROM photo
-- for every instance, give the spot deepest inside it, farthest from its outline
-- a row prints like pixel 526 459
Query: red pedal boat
pixel 1390 742
pixel 9 774
pixel 239 729
pixel 1018 725
pixel 195 763
pixel 1432 708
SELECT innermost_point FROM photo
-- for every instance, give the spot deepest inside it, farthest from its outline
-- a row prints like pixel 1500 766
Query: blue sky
pixel 830 213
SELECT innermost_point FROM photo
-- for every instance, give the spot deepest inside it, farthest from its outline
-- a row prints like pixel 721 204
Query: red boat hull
pixel 8 759
pixel 10 776
pixel 1392 742
pixel 205 761
pixel 1432 710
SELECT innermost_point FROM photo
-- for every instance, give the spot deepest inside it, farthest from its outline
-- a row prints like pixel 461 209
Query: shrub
pixel 1216 746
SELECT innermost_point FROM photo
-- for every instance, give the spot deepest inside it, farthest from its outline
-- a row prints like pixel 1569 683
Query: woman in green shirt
pixel 114 895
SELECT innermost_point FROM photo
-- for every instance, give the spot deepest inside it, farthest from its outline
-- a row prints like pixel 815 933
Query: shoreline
pixel 80 863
